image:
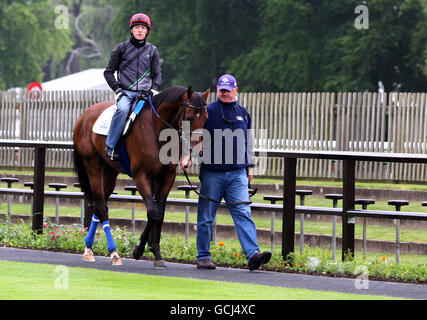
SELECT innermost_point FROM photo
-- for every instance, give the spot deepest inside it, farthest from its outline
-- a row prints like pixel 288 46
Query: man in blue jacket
pixel 225 173
pixel 137 63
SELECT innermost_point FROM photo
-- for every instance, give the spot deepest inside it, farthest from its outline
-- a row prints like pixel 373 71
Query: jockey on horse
pixel 138 66
pixel 137 63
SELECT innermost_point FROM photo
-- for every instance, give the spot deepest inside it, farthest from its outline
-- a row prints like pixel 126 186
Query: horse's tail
pixel 82 175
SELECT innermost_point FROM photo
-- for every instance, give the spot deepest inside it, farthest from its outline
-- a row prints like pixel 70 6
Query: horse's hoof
pixel 115 259
pixel 88 255
pixel 137 253
pixel 160 264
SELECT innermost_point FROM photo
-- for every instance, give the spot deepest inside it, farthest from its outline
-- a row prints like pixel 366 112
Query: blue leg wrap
pixel 110 242
pixel 91 233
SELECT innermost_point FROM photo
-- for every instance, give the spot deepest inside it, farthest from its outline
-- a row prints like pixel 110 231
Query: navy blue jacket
pixel 227 125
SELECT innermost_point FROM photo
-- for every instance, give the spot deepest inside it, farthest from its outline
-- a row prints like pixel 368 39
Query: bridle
pixel 198 110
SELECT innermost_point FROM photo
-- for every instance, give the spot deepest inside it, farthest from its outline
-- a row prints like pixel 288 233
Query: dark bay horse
pixel 153 178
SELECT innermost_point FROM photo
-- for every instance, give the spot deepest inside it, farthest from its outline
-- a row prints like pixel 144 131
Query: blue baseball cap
pixel 227 82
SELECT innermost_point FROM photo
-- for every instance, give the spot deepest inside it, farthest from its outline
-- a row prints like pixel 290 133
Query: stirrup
pixel 111 154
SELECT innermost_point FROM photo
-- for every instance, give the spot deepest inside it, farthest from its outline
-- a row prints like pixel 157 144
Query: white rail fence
pixel 349 121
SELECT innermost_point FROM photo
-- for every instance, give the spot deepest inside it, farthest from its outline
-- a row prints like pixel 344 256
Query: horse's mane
pixel 171 94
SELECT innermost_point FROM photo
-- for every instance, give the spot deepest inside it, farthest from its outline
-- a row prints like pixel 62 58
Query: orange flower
pixel 236 254
pixel 221 244
pixel 384 258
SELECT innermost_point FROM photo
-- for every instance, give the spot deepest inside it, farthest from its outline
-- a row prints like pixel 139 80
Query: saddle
pixel 102 124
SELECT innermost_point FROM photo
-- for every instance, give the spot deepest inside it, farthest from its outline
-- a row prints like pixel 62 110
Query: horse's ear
pixel 189 92
pixel 205 94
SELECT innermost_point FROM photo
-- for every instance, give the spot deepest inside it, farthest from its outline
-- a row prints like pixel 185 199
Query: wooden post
pixel 288 222
pixel 39 171
pixel 349 168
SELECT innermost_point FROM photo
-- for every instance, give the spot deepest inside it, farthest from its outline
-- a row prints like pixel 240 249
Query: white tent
pixel 90 79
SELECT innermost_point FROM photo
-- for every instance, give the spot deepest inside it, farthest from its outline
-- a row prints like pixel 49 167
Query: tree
pixel 315 46
pixel 90 27
pixel 286 55
pixel 196 39
pixel 28 39
pixel 389 50
pixel 92 34
pixel 286 45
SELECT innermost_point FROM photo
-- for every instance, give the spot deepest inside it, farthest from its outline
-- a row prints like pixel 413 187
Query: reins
pixel 187 104
pixel 234 203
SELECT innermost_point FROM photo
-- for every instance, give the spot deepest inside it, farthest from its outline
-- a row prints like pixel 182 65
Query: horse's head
pixel 195 108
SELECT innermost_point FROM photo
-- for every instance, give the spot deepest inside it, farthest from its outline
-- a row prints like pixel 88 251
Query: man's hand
pixel 119 94
pixel 154 92
pixel 186 162
pixel 250 174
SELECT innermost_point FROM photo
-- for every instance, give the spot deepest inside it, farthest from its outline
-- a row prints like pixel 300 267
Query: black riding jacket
pixel 137 65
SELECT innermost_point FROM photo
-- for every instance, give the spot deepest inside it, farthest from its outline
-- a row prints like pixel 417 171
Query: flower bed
pixel 174 248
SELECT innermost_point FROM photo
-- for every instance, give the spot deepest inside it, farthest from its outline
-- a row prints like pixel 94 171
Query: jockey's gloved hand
pixel 154 92
pixel 144 94
pixel 119 94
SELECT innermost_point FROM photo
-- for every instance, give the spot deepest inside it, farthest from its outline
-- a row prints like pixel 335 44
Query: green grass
pixel 360 184
pixel 258 179
pixel 226 252
pixel 26 281
pixel 375 232
pixel 310 201
pixel 171 245
pixel 258 198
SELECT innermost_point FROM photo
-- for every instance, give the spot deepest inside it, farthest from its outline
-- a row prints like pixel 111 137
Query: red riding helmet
pixel 140 18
